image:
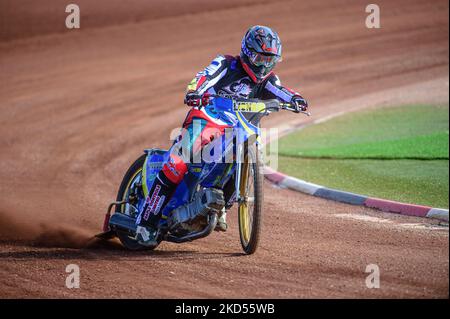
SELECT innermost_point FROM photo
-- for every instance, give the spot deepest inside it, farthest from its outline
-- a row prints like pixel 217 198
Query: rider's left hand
pixel 300 104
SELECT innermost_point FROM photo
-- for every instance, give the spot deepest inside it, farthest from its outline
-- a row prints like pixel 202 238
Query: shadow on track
pixel 102 250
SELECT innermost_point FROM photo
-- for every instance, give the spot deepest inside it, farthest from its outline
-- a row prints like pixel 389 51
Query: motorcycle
pixel 209 188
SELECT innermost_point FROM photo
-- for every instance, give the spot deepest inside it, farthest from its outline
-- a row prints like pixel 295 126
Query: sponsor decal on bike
pixel 249 107
pixel 196 169
pixel 155 204
pixel 159 204
pixel 151 201
pixel 172 167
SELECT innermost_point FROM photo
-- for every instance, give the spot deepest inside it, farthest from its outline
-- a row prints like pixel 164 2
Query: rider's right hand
pixel 193 99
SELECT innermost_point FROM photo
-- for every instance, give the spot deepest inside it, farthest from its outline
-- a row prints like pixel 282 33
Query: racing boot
pixel 148 231
pixel 147 236
pixel 222 221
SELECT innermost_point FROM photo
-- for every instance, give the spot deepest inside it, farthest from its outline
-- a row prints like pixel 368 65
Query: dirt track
pixel 77 107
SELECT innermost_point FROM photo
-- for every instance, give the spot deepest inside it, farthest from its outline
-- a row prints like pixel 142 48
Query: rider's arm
pixel 209 77
pixel 274 90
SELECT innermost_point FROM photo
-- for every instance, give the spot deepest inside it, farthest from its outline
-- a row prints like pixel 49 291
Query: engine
pixel 193 215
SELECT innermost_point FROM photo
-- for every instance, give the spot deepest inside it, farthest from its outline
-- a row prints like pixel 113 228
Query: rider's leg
pixel 210 132
pixel 159 195
pixel 222 221
pixel 162 190
pixel 197 133
pixel 166 183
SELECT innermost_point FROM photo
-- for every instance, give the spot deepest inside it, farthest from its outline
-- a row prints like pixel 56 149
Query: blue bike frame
pixel 206 174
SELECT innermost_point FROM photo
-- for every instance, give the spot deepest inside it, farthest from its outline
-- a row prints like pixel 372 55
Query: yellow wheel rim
pixel 125 193
pixel 244 218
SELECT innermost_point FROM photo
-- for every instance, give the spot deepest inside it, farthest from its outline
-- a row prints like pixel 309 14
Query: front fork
pixel 237 180
pixel 240 180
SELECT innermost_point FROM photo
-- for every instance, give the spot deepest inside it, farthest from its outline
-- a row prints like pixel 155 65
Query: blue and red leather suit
pixel 225 76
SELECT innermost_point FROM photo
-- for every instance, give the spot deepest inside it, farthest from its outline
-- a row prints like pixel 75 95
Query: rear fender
pixel 153 164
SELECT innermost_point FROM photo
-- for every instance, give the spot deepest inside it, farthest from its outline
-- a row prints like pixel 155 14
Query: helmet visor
pixel 264 60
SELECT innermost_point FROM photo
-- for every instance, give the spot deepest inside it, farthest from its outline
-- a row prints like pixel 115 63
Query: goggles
pixel 264 60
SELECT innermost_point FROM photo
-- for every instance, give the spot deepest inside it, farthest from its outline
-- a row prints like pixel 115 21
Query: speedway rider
pixel 249 75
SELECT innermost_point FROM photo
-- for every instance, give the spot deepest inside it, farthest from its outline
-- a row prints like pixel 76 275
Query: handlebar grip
pixel 288 106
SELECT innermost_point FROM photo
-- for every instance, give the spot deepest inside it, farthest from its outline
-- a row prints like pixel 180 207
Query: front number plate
pixel 254 107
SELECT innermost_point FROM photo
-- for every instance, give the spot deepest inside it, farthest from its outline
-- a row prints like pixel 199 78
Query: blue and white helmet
pixel 260 52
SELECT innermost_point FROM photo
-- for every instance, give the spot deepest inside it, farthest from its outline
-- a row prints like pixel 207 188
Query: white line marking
pixel 438 213
pixel 371 219
pixel 364 218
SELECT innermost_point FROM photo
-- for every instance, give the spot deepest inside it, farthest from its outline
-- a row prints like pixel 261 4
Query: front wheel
pixel 250 205
pixel 131 182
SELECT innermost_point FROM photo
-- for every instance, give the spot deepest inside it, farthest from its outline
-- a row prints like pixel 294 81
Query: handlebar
pixel 273 105
pixel 290 107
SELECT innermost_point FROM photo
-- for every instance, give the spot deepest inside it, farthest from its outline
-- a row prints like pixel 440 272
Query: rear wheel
pixel 131 186
pixel 250 207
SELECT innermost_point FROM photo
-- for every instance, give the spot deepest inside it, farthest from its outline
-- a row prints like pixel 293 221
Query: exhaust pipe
pixel 197 235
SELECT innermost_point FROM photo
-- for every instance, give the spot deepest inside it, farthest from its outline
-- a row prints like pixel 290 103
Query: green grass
pixel 398 153
pixel 414 132
pixel 411 181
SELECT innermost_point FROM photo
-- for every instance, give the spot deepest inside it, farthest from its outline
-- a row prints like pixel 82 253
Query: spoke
pixel 132 184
